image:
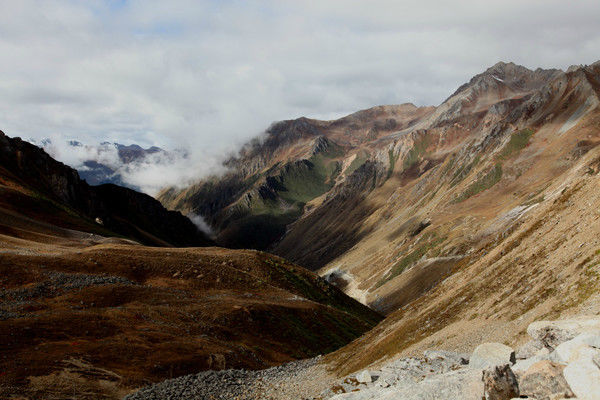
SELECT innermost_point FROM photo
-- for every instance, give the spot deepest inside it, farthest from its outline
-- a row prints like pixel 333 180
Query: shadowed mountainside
pixel 85 311
pixel 33 182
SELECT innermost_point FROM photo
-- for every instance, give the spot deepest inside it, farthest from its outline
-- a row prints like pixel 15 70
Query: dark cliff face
pixel 120 210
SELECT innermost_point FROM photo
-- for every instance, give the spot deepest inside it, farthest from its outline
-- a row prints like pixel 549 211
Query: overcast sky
pixel 208 75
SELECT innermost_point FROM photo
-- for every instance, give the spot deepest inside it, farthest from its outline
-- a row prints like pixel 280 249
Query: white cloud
pixel 201 224
pixel 208 75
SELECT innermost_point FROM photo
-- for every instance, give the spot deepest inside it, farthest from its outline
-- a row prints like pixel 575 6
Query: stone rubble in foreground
pixel 562 360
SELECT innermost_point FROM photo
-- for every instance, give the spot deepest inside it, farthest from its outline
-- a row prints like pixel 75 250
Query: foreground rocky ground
pixel 562 360
pixel 296 380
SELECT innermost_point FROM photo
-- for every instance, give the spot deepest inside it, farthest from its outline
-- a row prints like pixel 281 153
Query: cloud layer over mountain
pixel 208 75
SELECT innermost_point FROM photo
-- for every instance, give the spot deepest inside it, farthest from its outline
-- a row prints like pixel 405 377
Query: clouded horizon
pixel 209 75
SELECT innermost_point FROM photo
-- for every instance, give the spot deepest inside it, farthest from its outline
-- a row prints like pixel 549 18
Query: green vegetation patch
pixel 418 150
pixel 361 157
pixel 305 181
pixel 393 159
pixel 464 170
pixel 482 184
pixel 518 141
pixel 431 243
pixel 295 184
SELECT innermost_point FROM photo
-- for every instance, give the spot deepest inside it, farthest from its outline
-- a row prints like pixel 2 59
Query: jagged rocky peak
pixel 577 67
pixel 520 77
pixel 574 68
pixel 500 82
pixel 504 70
pixel 294 128
pixel 279 135
pixel 320 145
pixel 511 76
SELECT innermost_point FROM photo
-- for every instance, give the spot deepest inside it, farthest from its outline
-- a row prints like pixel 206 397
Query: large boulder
pixel 569 350
pixel 523 365
pixel 583 374
pixel 500 383
pixel 489 355
pixel 553 333
pixel 544 381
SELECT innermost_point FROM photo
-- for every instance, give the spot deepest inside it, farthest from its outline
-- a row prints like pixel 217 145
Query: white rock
pixel 554 357
pixel 386 380
pixel 450 356
pixel 529 349
pixel 553 333
pixel 489 355
pixel 464 384
pixel 583 376
pixel 364 377
pixel 569 350
pixel 542 352
pixel 346 396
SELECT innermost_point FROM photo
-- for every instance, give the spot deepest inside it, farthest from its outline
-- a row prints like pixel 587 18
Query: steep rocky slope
pixel 510 235
pixel 464 222
pixel 277 178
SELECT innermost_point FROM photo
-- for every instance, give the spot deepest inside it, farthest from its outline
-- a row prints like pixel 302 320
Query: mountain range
pixel 106 162
pixel 430 214
pixel 390 231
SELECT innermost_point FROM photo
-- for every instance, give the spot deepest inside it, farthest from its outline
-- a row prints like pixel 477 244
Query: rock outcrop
pixel 491 372
pixel 500 383
pixel 489 355
pixel 544 380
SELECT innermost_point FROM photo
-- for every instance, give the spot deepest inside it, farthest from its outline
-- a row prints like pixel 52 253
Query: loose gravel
pixel 13 301
pixel 59 282
pixel 300 380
